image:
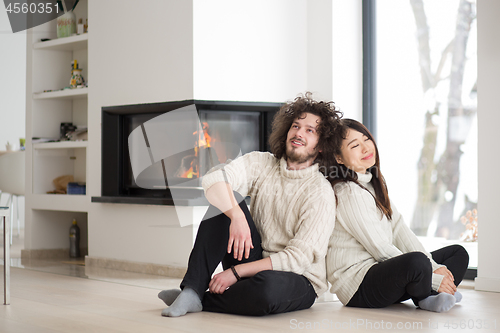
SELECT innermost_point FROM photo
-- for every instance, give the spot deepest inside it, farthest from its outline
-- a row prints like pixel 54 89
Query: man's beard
pixel 294 157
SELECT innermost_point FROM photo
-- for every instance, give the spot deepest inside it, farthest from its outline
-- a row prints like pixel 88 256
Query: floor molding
pixel 136 267
pixel 487 284
pixel 44 254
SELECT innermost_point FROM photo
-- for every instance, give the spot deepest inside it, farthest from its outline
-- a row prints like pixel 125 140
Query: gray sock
pixel 168 296
pixel 458 296
pixel 438 303
pixel 187 301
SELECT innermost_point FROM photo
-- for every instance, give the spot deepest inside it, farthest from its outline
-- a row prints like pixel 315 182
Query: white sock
pixel 438 303
pixel 187 301
pixel 458 296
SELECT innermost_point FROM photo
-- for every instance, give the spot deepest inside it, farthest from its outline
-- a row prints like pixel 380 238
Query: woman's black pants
pixel 407 276
pixel 265 293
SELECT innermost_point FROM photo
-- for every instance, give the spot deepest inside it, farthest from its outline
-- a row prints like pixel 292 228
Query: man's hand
pixel 240 238
pixel 221 281
pixel 447 285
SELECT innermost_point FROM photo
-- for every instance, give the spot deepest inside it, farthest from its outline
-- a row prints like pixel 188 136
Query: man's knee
pixel 267 284
pixel 278 292
pixel 261 296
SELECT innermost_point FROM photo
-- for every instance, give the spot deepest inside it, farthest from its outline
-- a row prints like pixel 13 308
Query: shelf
pixel 78 93
pixel 60 202
pixel 48 216
pixel 72 43
pixel 60 145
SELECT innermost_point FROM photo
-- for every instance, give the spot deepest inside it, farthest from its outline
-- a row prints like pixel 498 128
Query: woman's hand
pixel 240 238
pixel 446 272
pixel 221 281
pixel 447 286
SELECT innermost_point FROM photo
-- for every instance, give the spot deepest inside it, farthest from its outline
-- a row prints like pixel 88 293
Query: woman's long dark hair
pixel 343 174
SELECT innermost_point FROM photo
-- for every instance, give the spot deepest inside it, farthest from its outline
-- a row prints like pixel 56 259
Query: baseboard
pixel 487 284
pixel 136 267
pixel 49 254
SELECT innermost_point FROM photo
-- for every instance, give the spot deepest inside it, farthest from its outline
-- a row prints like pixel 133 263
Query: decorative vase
pixel 76 78
pixel 66 24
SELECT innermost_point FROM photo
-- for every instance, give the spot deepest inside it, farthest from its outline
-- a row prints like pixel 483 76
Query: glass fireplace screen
pixel 175 149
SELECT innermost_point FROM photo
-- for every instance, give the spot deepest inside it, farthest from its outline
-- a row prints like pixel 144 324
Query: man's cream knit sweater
pixel 364 236
pixel 293 210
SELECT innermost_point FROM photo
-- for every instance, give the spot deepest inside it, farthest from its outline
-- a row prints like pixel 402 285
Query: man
pixel 273 255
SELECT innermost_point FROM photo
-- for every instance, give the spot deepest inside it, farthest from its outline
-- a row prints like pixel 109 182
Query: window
pixel 426 72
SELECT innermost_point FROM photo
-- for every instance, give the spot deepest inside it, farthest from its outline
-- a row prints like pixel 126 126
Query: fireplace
pixel 155 153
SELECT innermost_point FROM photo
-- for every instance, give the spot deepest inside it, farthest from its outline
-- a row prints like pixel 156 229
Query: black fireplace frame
pixel 114 142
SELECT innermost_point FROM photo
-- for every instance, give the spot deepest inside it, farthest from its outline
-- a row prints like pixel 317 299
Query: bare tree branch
pixel 424 50
pixel 457 129
pixel 426 199
pixel 442 62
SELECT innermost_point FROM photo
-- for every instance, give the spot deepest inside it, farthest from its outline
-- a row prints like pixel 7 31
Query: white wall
pixel 347 57
pixel 12 91
pixel 319 49
pixel 273 50
pixel 488 117
pixel 250 50
pixel 334 55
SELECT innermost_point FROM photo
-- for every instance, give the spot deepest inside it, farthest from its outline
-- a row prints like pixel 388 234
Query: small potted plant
pixel 470 222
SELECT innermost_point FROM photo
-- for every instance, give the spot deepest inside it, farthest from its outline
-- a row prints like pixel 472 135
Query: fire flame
pixel 203 139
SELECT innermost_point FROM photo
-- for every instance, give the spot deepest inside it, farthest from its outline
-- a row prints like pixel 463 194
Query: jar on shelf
pixel 66 24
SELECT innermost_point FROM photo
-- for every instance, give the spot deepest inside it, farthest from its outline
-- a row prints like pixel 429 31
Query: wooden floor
pixel 47 302
pixel 68 297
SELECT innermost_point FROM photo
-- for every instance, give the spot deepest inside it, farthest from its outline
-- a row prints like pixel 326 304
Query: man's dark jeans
pixel 265 293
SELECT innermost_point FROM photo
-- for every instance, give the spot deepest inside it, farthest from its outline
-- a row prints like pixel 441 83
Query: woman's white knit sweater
pixel 363 236
pixel 293 210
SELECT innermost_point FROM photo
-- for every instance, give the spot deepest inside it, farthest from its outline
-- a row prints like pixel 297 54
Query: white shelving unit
pixel 48 105
pixel 60 202
pixel 73 43
pixel 61 144
pixel 71 94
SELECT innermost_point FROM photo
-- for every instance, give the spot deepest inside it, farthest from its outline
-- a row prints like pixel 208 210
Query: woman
pixel 374 259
